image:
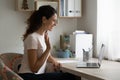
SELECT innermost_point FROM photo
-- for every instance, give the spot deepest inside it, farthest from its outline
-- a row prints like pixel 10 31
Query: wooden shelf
pixel 25 5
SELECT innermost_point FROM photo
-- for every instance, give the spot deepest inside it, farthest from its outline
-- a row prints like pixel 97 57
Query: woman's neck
pixel 41 31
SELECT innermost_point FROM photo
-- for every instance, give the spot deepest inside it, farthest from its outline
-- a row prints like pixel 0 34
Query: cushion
pixel 12 60
pixel 7 74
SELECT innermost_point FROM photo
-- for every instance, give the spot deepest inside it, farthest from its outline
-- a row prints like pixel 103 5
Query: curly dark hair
pixel 35 20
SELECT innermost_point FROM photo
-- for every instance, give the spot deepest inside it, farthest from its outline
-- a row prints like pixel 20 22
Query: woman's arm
pixel 51 59
pixel 34 61
pixel 55 63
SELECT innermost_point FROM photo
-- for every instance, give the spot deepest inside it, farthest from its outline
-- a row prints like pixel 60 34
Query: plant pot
pixel 63 54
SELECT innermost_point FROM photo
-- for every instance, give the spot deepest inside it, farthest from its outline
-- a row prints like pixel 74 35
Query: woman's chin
pixel 50 29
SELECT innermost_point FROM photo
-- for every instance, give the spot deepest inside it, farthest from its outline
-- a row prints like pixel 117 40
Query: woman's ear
pixel 44 20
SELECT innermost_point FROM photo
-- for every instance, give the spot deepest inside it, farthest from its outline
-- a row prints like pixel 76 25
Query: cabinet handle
pixel 71 11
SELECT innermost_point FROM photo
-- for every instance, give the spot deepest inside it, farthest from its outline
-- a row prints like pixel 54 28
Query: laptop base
pixel 88 65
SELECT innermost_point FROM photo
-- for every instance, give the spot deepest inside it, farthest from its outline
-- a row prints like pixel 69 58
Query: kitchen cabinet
pixel 70 8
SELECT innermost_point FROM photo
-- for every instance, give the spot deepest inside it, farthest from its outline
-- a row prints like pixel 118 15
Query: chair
pixel 9 66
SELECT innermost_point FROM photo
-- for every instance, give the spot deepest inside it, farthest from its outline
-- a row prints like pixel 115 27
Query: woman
pixel 37 47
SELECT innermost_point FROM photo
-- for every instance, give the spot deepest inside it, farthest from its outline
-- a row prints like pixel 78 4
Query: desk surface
pixel 109 70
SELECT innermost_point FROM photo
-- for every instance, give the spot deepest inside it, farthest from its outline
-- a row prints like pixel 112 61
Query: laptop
pixel 93 64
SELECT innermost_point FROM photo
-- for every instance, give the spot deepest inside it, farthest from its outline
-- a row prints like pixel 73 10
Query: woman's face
pixel 51 22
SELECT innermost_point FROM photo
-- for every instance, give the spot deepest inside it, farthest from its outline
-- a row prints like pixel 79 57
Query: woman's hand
pixel 56 66
pixel 55 63
pixel 47 41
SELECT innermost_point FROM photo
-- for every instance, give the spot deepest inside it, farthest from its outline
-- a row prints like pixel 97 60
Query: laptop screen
pixel 100 57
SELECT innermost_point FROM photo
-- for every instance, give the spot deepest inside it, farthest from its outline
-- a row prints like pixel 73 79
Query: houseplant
pixel 64 51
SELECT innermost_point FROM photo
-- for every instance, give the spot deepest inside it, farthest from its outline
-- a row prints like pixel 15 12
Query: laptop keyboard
pixel 92 64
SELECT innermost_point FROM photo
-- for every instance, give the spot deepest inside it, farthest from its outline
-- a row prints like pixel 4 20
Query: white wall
pixel 88 21
pixel 64 26
pixel 12 27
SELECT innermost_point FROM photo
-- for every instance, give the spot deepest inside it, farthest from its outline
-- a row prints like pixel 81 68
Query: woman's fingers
pixel 47 41
pixel 57 66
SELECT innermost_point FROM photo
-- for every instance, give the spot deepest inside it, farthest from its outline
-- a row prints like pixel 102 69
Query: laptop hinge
pixel 99 64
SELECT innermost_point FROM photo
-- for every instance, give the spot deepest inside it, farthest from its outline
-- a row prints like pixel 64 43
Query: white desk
pixel 109 70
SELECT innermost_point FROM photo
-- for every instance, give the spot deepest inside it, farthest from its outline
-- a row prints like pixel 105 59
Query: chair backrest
pixel 12 60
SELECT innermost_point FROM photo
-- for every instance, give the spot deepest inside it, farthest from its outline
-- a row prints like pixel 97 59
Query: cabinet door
pixel 69 8
pixel 77 8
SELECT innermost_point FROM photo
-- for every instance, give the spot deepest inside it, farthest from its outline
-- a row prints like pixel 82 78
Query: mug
pixel 86 55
